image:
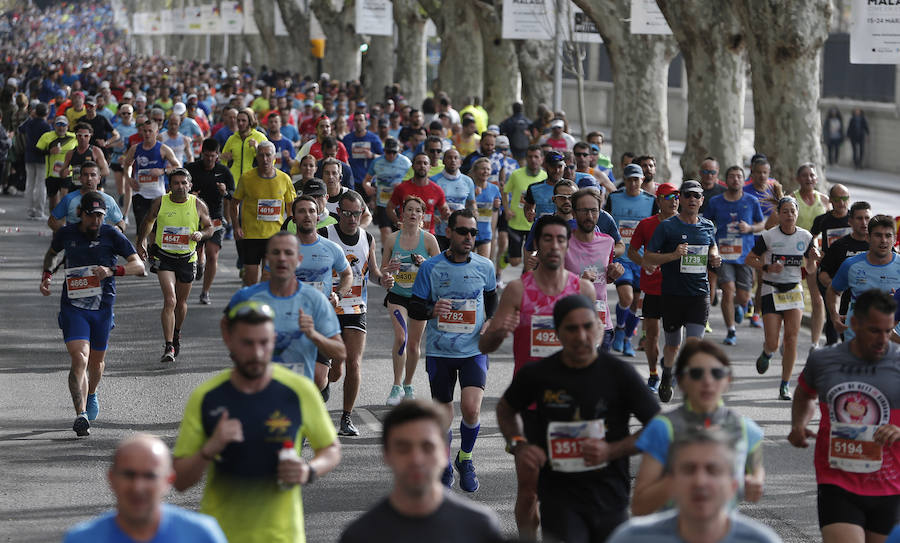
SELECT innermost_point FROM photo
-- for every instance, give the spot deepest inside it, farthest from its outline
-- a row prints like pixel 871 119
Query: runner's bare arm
pixel 206 226
pixel 146 226
pixel 802 410
pixel 505 320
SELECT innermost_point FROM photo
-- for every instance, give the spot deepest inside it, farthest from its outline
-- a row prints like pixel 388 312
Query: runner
pixel 519 180
pixel 526 311
pixel 779 254
pixel 539 196
pixel 176 141
pixel 86 304
pixel 424 188
pixel 855 386
pixel 359 248
pixel 181 220
pixel 67 211
pixel 709 180
pixel 737 217
pixel 125 124
pixel 581 440
pixel 54 145
pixel 667 199
pixel 386 172
pixel 403 254
pixel 459 192
pixel 628 207
pixel 364 148
pixel 456 293
pixel 812 204
pixel 331 175
pixel 212 182
pixel 487 201
pixel 240 149
pixel 82 152
pixel 831 226
pixel 147 179
pixel 683 247
pixel 762 187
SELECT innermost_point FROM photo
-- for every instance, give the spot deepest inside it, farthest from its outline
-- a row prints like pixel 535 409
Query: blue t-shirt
pixel 319 258
pixel 68 208
pixel 733 246
pixel 859 275
pixel 293 347
pixel 457 191
pixel 585 180
pixel 190 128
pixel 387 174
pixel 281 145
pixel 222 135
pixel 290 132
pixel 355 146
pixel 484 201
pixel 465 284
pixel 176 525
pixel 687 275
pixel 82 254
pixel 763 197
pixel 663 528
pixel 541 195
pixel 627 211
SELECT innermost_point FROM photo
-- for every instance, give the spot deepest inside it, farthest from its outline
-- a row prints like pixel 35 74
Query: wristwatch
pixel 514 443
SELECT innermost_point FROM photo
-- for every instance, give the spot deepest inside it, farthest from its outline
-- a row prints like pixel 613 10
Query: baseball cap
pixel 633 170
pixel 61 120
pixel 104 85
pixel 314 187
pixel 93 202
pixel 127 94
pixel 391 144
pixel 179 108
pixel 665 189
pixel 90 100
pixel 502 142
pixel 140 98
pixel 493 128
pixel 557 123
pixel 691 186
pixel 554 157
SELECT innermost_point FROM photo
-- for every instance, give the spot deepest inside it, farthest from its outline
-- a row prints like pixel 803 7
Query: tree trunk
pixel 342 57
pixel 378 67
pixel 461 71
pixel 640 67
pixel 501 64
pixel 409 72
pixel 297 24
pixel 536 66
pixel 271 50
pixel 784 41
pixel 713 51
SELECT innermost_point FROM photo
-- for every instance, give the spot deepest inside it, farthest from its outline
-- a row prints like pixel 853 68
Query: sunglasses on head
pixel 250 308
pixel 673 196
pixel 463 231
pixel 694 195
pixel 695 374
pixel 841 198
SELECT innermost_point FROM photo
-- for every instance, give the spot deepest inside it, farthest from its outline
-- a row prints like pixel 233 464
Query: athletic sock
pixel 621 315
pixel 631 322
pixel 654 372
pixel 732 328
pixel 468 435
pixel 784 383
pixel 170 344
pixel 768 355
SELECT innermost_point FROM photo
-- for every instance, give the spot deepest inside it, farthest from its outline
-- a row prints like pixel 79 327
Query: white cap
pixel 557 123
pixel 502 141
pixel 179 108
pixel 127 94
pixel 104 85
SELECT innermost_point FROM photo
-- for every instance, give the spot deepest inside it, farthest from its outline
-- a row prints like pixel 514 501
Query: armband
pixel 46 275
pixel 120 271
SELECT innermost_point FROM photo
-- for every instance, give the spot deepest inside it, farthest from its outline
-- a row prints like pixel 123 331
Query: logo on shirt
pixel 557 398
pixel 277 424
pixel 858 403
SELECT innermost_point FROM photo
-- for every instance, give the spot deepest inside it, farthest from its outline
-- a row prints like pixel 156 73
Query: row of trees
pixel 779 42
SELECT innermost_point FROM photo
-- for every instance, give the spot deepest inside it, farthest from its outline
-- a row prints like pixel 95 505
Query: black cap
pixel 691 186
pixel 93 202
pixel 314 187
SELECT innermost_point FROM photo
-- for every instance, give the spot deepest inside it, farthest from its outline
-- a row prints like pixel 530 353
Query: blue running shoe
pixel 738 314
pixel 653 383
pixel 447 477
pixel 619 340
pixel 468 481
pixel 756 321
pixel 93 407
pixel 627 349
pixel 731 338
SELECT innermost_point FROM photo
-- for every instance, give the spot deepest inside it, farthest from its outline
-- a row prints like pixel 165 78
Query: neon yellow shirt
pixel 265 203
pixel 516 185
pixel 242 154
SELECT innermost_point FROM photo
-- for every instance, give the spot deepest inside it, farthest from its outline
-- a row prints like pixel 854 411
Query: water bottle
pixel 287 452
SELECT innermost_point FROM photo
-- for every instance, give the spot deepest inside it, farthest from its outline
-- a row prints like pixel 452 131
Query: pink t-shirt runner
pixel 596 255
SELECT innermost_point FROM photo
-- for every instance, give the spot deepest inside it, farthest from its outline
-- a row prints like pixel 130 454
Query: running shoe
pixel 627 349
pixel 738 314
pixel 755 321
pixel 708 328
pixel 447 477
pixel 731 338
pixel 666 389
pixel 762 363
pixel 396 396
pixel 653 383
pixel 409 392
pixel 93 407
pixel 347 426
pixel 81 426
pixel 168 356
pixel 619 340
pixel 204 298
pixel 784 393
pixel 468 481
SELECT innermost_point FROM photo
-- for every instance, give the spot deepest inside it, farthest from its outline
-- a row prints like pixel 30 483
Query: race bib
pixel 602 312
pixel 461 318
pixel 406 275
pixel 834 234
pixel 792 299
pixel 695 259
pixel 359 148
pixel 455 205
pixel 731 248
pixel 145 178
pixel 851 448
pixel 543 336
pixel 355 297
pixel 318 285
pixel 485 212
pixel 76 176
pixel 217 224
pixel 626 229
pixel 426 221
pixel 82 283
pixel 176 239
pixel 564 444
pixel 268 210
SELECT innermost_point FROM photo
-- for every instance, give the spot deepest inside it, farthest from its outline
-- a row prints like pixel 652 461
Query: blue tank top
pixel 151 187
pixel 628 211
pixel 404 279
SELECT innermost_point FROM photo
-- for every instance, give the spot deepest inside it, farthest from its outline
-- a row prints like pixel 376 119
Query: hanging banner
pixel 874 32
pixel 193 18
pixel 528 20
pixel 179 21
pixel 154 26
pixel 250 27
pixel 167 21
pixel 212 20
pixel 280 29
pixel 232 18
pixel 139 24
pixel 582 28
pixel 646 18
pixel 374 17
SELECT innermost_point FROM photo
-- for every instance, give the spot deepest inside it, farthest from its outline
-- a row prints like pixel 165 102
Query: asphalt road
pixel 50 480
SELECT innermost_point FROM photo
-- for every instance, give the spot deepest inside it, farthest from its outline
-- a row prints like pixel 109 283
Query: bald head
pixel 144 446
pixel 140 477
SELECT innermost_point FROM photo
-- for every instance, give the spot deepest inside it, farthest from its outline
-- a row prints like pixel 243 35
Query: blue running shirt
pixel 859 275
pixel 457 191
pixel 319 258
pixel 387 174
pixel 733 246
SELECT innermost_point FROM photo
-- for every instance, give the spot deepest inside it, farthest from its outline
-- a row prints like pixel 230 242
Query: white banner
pixel 179 21
pixel 193 18
pixel 646 18
pixel 250 27
pixel 155 25
pixel 139 23
pixel 528 20
pixel 374 17
pixel 212 20
pixel 280 29
pixel 874 32
pixel 582 28
pixel 167 21
pixel 232 18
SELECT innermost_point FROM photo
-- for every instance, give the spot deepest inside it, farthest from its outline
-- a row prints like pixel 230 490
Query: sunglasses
pixel 463 231
pixel 709 172
pixel 670 197
pixel 693 195
pixel 434 150
pixel 841 198
pixel 582 154
pixel 695 374
pixel 563 196
pixel 354 214
pixel 250 308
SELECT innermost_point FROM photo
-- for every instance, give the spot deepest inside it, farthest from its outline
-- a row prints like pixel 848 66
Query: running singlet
pixel 77 160
pixel 292 347
pixel 387 174
pixel 357 253
pixel 406 276
pixel 68 208
pixel 765 196
pixel 535 337
pixel 174 225
pixel 594 256
pixel 855 398
pixel 150 186
pixel 82 288
pixel 685 276
pixel 789 249
pixel 806 214
pixel 651 283
pixel 727 215
pixel 456 334
pixel 319 259
pixel 241 490
pixel 457 191
pixel 628 211
pixel 176 144
pixel 484 202
pixel 858 275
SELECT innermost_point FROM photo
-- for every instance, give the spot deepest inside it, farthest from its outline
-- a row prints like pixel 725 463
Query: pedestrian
pixel 858 134
pixel 833 129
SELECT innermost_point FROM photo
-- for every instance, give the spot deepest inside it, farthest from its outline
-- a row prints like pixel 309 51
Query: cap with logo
pixel 633 170
pixel 93 202
pixel 314 187
pixel 554 157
